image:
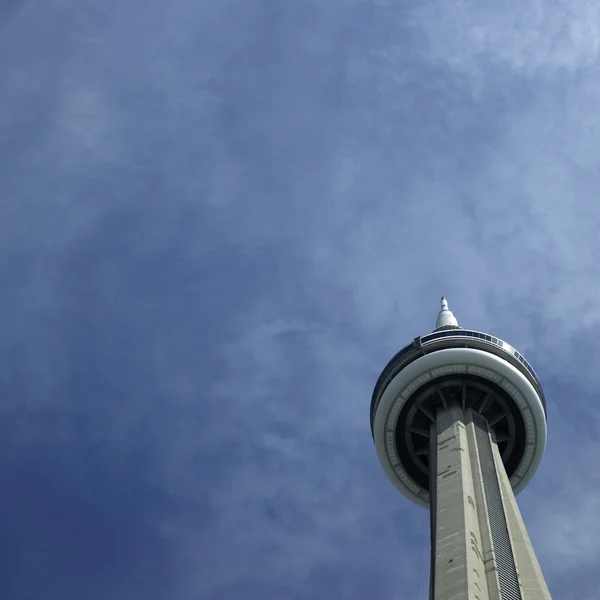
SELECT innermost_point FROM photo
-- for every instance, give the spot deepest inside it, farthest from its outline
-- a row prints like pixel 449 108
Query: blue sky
pixel 219 220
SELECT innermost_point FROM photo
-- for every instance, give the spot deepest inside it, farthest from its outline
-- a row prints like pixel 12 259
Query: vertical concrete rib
pixel 432 506
pixel 479 544
pixel 531 579
pixel 498 525
pixel 487 549
pixel 459 568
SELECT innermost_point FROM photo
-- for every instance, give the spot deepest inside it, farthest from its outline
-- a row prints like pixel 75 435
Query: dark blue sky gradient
pixel 218 221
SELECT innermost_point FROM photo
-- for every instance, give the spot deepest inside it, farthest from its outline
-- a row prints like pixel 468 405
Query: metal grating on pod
pixel 505 562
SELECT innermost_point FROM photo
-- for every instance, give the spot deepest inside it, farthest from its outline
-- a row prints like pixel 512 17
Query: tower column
pixel 531 579
pixel 479 544
pixel 487 548
pixel 456 543
pixel 459 422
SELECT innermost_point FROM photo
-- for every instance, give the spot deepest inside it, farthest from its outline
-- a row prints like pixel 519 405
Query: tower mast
pixel 459 423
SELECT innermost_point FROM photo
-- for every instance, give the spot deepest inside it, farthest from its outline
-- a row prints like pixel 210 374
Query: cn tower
pixel 458 418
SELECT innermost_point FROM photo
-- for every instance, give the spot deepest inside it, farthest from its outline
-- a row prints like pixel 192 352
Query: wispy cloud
pixel 533 38
pixel 220 220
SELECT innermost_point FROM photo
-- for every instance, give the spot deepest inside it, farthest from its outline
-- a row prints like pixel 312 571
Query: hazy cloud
pixel 219 221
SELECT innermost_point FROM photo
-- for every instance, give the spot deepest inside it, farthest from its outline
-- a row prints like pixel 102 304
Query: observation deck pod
pixel 454 365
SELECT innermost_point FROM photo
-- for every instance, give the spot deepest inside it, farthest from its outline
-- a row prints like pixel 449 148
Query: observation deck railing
pixel 453 338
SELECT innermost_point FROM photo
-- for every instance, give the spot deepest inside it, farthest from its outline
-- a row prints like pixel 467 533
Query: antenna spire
pixel 445 318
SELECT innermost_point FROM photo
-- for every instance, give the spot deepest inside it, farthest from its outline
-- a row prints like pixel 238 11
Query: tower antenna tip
pixel 445 317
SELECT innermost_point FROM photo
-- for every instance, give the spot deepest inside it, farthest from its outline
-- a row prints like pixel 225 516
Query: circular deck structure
pixel 454 365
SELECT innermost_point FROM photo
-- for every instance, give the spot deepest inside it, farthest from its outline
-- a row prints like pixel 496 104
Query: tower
pixel 458 419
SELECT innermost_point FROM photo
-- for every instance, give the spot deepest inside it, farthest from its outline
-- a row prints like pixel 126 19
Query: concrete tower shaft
pixel 479 544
